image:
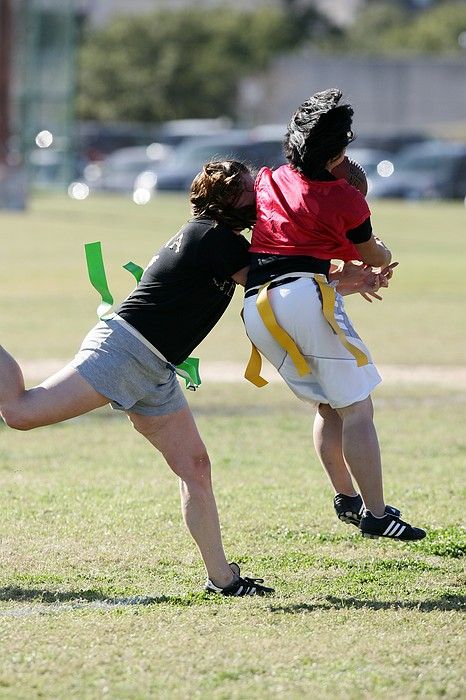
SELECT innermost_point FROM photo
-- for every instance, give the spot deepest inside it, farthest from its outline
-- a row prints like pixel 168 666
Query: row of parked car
pixel 408 166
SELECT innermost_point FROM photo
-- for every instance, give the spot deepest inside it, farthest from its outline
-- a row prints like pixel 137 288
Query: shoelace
pixel 250 584
pixel 251 581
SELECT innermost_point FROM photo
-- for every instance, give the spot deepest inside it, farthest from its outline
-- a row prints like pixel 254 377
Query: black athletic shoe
pixel 350 509
pixel 389 526
pixel 241 586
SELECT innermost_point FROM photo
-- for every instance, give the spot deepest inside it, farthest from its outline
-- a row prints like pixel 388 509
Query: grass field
pixel 100 585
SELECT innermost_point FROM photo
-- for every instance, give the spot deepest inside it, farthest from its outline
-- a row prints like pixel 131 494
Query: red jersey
pixel 298 216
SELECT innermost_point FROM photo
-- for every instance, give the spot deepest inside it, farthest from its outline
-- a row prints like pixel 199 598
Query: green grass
pixel 100 585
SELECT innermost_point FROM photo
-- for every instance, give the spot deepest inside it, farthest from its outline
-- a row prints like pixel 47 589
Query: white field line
pixel 449 376
pixel 24 610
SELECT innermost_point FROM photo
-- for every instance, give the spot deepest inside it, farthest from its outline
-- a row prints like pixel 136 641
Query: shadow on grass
pixel 445 603
pixel 96 597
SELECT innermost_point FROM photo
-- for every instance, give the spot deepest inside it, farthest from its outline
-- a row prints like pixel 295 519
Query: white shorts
pixel 336 378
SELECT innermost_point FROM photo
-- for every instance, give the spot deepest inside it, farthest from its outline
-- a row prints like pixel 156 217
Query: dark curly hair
pixel 216 190
pixel 319 130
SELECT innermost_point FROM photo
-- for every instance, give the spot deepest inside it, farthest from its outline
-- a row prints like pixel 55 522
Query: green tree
pixel 390 28
pixel 189 63
pixel 373 25
pixel 175 64
pixel 438 30
pixel 306 23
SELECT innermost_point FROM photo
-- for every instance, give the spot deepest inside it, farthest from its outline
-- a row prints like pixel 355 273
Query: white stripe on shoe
pixel 401 531
pixel 213 587
pixel 390 529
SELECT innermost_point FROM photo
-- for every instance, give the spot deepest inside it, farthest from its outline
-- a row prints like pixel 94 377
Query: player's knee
pixel 199 461
pixel 362 410
pixel 195 468
pixel 15 418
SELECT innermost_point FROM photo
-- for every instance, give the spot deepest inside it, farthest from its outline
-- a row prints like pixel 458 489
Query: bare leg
pixel 328 428
pixel 362 454
pixel 63 395
pixel 177 438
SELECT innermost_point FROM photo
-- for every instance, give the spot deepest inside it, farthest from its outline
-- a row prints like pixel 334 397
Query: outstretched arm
pixel 354 277
pixel 374 252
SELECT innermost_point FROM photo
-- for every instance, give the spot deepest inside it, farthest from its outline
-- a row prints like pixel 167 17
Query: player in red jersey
pixel 305 218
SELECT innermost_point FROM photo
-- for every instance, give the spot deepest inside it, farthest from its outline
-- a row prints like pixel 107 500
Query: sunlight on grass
pixel 100 584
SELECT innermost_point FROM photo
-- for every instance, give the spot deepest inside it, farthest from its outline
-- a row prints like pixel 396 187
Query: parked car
pixel 187 160
pixel 118 171
pixel 369 158
pixel 434 170
pixel 94 140
pixel 176 131
pixel 393 142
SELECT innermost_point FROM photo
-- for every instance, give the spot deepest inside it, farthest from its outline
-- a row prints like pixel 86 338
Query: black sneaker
pixel 389 526
pixel 241 586
pixel 350 509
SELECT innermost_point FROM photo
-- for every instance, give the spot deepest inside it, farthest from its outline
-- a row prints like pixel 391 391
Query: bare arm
pixel 374 252
pixel 357 277
pixel 241 276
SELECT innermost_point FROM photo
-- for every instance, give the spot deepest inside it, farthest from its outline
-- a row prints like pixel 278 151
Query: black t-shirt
pixel 186 287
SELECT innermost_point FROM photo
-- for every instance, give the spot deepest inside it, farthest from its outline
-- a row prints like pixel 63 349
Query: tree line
pixel 189 63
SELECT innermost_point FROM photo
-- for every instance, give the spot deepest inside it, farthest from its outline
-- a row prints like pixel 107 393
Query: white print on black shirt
pixel 175 242
pixel 225 286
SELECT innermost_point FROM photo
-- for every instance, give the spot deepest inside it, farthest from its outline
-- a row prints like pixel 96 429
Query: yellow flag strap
pixel 253 369
pixel 285 341
pixel 281 336
pixel 328 309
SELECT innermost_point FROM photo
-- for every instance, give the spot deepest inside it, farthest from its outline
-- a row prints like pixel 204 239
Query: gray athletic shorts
pixel 119 366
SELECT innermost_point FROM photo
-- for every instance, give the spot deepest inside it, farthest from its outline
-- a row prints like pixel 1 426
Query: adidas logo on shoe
pixel 350 509
pixel 389 526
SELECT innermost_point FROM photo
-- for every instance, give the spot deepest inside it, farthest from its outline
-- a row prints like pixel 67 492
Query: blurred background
pixel 132 96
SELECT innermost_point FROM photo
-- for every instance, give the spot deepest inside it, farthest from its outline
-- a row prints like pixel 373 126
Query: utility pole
pixel 5 73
